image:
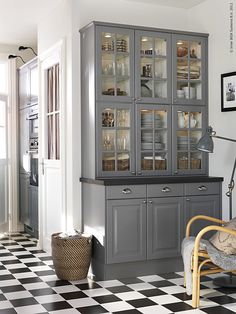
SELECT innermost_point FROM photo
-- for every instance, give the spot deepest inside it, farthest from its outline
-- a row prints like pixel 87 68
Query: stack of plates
pixel 147 120
pixel 182 142
pixel 147 141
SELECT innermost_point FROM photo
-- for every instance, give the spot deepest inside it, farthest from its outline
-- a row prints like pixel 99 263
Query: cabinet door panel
pixel 126 231
pixel 24 198
pixel 208 205
pixel 165 227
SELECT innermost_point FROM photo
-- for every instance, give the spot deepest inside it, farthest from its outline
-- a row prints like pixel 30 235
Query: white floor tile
pixel 164 299
pixel 132 295
pixel 43 299
pixel 117 306
pixel 231 307
pixel 65 311
pixel 64 289
pixel 36 285
pixel 173 289
pixel 49 278
pixel 25 275
pixel 82 302
pixel 40 268
pixel 193 311
pixel 5 304
pixel 36 308
pixel 18 295
pixel 154 309
pixel 15 266
pixel 151 278
pixel 96 292
pixel 110 283
pixel 11 282
pixel 140 286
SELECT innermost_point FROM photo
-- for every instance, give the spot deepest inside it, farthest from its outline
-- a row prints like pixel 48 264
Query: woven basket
pixel 71 256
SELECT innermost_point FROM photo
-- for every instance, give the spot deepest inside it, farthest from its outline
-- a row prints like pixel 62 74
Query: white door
pixel 52 216
pixel 4 223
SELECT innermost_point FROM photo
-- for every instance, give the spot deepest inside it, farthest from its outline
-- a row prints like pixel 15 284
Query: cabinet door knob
pixel 127 191
pixel 202 188
pixel 132 172
pixel 150 202
pixel 138 99
pixel 144 202
pixel 188 199
pixel 139 173
pixel 166 189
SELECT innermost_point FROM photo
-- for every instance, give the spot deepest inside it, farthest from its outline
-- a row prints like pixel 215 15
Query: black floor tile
pixel 223 299
pixel 152 292
pixel 8 311
pixel 20 249
pixel 25 256
pixel 141 302
pixel 25 281
pixel 7 289
pixel 13 261
pixel 6 277
pixel 2 297
pixel 33 264
pixel 57 306
pixel 42 291
pixel 95 309
pixel 73 295
pixel 23 302
pixel 170 276
pixel 129 281
pixel 183 296
pixel 20 270
pixel 107 298
pixel 119 289
pixel 178 307
pixel 162 283
pixel 134 311
pixel 44 273
pixel 86 286
pixel 57 283
pixel 217 310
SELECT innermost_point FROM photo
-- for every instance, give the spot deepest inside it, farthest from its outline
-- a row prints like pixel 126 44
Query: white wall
pixel 212 17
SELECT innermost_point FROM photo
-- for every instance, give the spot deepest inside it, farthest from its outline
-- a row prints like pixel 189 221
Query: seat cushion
pixel 223 241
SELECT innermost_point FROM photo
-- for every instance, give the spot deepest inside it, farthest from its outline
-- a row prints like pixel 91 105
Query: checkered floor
pixel 28 284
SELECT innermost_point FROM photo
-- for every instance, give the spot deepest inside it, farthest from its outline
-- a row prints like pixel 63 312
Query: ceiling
pixel 185 4
pixel 19 18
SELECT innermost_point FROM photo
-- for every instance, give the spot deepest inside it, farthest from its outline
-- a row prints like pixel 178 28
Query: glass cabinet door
pixel 189 69
pixel 153 67
pixel 153 141
pixel 116 140
pixel 189 127
pixel 115 63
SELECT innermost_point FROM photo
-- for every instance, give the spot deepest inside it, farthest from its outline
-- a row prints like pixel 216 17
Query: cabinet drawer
pixel 202 188
pixel 165 190
pixel 126 191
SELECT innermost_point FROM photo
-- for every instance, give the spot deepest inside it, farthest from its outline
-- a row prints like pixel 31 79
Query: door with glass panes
pixel 189 123
pixel 115 66
pixel 153 67
pixel 153 153
pixel 189 69
pixel 115 140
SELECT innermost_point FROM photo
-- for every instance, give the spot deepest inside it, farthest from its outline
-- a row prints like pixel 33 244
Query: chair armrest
pixel 207 229
pixel 216 220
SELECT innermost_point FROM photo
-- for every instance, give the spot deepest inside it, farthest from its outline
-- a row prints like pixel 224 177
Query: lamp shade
pixel 205 143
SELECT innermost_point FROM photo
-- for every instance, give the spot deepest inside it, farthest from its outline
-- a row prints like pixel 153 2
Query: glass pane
pixel 182 48
pixel 122 87
pixel 50 90
pixel 107 64
pixel 195 120
pixel 108 118
pixel 50 137
pixel 160 161
pixel 146 118
pixel 123 162
pixel 123 118
pixel 57 135
pixel 160 140
pixel 108 140
pixel 146 88
pixel 183 119
pixel 196 90
pixel 160 89
pixel 160 47
pixel 108 161
pixel 182 140
pixel 108 86
pixel 123 140
pixel 182 160
pixel 195 160
pixel 195 70
pixel 147 161
pixel 194 137
pixel 108 41
pixel 195 50
pixel 122 65
pixel 122 43
pixel 146 67
pixel 160 68
pixel 160 119
pixel 181 86
pixel 182 69
pixel 147 139
pixel 146 45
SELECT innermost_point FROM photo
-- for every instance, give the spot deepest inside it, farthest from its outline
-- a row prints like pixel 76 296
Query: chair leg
pixel 196 286
pixel 198 289
pixel 184 280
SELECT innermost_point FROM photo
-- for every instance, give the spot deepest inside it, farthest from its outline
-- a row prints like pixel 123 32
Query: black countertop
pixel 150 180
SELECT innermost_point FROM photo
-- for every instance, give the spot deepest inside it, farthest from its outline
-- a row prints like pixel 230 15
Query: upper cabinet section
pixel 28 84
pixel 115 66
pixel 189 70
pixel 153 67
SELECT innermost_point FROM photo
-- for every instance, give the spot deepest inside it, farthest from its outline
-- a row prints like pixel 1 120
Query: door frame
pixel 55 54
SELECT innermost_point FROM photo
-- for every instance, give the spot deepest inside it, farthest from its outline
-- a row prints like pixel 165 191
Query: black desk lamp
pixel 206 144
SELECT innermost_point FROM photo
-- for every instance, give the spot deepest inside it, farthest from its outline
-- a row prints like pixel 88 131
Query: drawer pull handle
pixel 202 188
pixel 166 189
pixel 127 191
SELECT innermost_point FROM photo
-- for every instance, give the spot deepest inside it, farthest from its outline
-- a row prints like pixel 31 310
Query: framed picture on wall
pixel 228 86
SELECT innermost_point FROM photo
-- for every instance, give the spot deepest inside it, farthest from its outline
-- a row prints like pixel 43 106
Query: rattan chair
pixel 200 258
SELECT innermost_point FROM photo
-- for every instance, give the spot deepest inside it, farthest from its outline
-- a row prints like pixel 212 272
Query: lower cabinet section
pixel 140 228
pixel 164 227
pixel 126 230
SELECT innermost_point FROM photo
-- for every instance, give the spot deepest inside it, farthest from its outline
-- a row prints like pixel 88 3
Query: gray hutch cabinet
pixel 144 108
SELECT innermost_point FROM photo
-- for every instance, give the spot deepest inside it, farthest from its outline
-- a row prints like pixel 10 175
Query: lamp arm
pixel 224 138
